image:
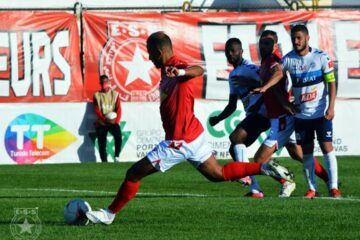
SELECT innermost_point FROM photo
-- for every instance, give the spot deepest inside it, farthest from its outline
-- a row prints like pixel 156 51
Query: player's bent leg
pixel 235 170
pixel 126 192
pixel 294 151
pixel 238 136
pixel 140 169
pixel 264 153
pixel 211 170
pixel 238 148
pixel 228 172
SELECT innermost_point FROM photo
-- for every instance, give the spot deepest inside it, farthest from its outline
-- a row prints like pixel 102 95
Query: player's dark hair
pixel 232 41
pixel 159 40
pixel 300 28
pixel 103 77
pixel 270 33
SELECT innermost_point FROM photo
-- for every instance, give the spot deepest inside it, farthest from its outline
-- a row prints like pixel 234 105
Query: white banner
pixel 64 133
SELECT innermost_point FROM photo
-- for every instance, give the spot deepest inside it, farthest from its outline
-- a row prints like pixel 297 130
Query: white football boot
pixel 102 216
pixel 286 189
pixel 273 169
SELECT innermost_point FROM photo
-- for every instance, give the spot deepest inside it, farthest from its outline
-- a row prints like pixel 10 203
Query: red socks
pixel 126 192
pixel 236 170
pixel 320 171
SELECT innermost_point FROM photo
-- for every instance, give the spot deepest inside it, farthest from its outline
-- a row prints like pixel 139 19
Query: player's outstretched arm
pixel 246 82
pixel 228 110
pixel 276 76
pixel 289 107
pixel 190 72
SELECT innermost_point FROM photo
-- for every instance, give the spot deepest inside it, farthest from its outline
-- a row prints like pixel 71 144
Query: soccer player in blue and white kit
pixel 242 79
pixel 314 89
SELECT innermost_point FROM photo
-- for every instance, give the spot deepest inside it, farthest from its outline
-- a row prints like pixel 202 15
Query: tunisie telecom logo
pixel 31 137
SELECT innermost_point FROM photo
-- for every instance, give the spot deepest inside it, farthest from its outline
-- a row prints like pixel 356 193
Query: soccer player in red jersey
pixel 280 111
pixel 185 137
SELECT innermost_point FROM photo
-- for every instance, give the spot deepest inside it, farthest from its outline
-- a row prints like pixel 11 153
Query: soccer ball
pixel 111 115
pixel 75 210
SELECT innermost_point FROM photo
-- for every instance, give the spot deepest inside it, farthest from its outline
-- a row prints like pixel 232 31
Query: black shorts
pixel 305 130
pixel 254 124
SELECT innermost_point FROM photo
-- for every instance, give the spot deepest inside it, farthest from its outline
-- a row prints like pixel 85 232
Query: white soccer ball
pixel 75 212
pixel 111 115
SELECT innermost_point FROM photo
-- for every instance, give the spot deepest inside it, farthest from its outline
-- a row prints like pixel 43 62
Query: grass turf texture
pixel 162 210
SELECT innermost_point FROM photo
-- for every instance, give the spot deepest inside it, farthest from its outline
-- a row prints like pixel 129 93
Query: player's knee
pixel 134 173
pixel 131 175
pixel 238 136
pixel 215 178
pixel 295 153
pixel 260 158
pixel 326 147
pixel 213 173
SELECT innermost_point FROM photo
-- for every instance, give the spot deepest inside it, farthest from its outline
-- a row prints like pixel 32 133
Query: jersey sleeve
pixel 284 63
pixel 327 67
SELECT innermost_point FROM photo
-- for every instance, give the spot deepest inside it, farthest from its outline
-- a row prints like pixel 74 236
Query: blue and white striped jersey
pixel 309 75
pixel 249 71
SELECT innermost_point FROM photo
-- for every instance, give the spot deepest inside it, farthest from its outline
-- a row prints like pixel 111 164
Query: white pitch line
pixel 107 193
pixel 350 199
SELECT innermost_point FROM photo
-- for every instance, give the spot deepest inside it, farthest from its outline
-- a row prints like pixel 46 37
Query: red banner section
pixel 115 45
pixel 39 57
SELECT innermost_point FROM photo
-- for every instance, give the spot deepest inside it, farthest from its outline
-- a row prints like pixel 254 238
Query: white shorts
pixel 168 153
pixel 281 132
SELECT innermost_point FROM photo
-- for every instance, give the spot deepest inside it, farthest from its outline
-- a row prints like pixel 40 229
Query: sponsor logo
pixel 307 97
pixel 31 137
pixel 328 134
pixel 110 144
pixel 28 60
pixel 229 124
pixel 125 60
pixel 25 223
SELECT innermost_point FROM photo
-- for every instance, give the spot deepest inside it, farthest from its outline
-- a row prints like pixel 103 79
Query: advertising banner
pixel 38 133
pixel 115 44
pixel 39 57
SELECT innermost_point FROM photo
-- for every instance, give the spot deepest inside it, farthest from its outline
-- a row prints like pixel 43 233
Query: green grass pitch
pixel 179 204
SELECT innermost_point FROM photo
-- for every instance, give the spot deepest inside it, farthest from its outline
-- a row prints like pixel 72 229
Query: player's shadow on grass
pixel 86 151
